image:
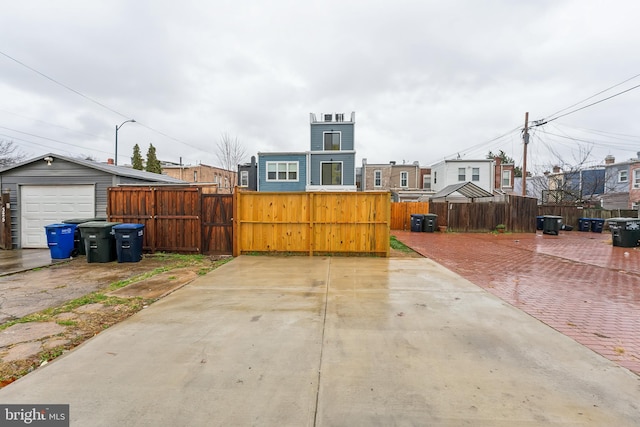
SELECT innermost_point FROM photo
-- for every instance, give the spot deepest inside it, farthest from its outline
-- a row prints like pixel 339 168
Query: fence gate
pixel 217 224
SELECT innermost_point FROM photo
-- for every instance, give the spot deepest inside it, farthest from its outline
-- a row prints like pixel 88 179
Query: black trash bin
pixel 60 240
pixel 129 242
pixel 625 232
pixel 99 243
pixel 584 224
pixel 430 223
pixel 597 224
pixel 539 222
pixel 416 222
pixel 551 224
pixel 78 244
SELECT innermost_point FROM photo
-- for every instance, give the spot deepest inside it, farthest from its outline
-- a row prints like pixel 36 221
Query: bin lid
pixel 81 220
pixel 59 225
pixel 97 224
pixel 128 226
pixel 430 215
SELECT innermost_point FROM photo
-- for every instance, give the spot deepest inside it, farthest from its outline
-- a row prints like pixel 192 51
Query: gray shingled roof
pixel 112 169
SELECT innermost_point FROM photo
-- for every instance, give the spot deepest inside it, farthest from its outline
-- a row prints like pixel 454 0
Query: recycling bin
pixel 430 223
pixel 551 224
pixel 99 242
pixel 584 224
pixel 625 232
pixel 597 224
pixel 539 222
pixel 416 222
pixel 129 242
pixel 78 245
pixel 60 240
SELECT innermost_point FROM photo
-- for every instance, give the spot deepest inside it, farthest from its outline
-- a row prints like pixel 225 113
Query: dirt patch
pixel 36 338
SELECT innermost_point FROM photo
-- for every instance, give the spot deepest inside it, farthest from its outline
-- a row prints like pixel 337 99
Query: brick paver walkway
pixel 577 282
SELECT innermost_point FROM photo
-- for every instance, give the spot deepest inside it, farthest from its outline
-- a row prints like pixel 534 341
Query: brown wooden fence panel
pixel 134 205
pixel 217 223
pixel 401 213
pixel 178 217
pixel 312 222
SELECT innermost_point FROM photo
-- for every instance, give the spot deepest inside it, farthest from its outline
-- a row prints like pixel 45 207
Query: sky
pixel 428 80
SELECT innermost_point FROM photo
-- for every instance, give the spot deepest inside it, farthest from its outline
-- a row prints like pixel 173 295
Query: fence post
pixel 310 204
pixel 236 234
pixel 5 232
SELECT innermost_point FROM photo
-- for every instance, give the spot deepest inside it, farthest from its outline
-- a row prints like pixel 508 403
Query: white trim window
pixel 404 179
pixel 331 140
pixel 462 174
pixel 506 179
pixel 475 174
pixel 377 178
pixel 426 182
pixel 331 173
pixel 282 171
pixel 244 178
pixel 623 176
pixel 636 178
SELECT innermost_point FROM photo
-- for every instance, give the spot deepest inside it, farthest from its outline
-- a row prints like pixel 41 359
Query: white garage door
pixel 42 205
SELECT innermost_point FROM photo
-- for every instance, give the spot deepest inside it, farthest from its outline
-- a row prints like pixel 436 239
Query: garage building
pixel 53 188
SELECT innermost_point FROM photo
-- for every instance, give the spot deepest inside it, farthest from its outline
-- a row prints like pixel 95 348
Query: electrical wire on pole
pixel 525 139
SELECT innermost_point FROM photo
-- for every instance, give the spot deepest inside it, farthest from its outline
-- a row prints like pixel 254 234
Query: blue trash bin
pixel 129 242
pixel 60 240
pixel 584 224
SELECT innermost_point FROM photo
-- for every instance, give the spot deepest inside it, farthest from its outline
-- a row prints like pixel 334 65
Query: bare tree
pixel 230 153
pixel 9 154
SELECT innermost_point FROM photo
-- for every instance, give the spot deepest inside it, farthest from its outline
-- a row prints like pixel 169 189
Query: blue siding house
pixel 328 165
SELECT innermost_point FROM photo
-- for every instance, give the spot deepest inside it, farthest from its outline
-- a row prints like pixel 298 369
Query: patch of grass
pixel 49 355
pixel 67 322
pixel 398 245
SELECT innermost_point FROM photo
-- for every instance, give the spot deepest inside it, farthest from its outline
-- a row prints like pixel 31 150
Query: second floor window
pixel 282 171
pixel 636 178
pixel 244 178
pixel 426 182
pixel 475 174
pixel 331 141
pixel 377 179
pixel 462 176
pixel 623 176
pixel 506 178
pixel 404 179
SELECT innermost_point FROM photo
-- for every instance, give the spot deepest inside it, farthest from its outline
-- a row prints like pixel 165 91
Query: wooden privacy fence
pixel 401 213
pixel 571 214
pixel 312 223
pixel 181 219
pixel 518 214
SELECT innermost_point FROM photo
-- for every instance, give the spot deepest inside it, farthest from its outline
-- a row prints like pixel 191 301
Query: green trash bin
pixel 625 232
pixel 551 224
pixel 430 223
pixel 78 244
pixel 99 241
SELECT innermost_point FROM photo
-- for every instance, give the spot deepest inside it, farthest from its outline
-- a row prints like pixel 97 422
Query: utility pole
pixel 525 139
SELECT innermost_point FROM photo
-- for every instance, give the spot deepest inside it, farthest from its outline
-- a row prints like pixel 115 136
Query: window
pixel 475 174
pixel 377 178
pixel 339 117
pixel 327 117
pixel 623 176
pixel 435 177
pixel 506 178
pixel 404 179
pixel 636 178
pixel 331 141
pixel 282 171
pixel 426 182
pixel 244 178
pixel 332 173
pixel 195 176
pixel 462 176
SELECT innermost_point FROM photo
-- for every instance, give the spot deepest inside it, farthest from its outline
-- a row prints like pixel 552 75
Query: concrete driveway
pixel 333 341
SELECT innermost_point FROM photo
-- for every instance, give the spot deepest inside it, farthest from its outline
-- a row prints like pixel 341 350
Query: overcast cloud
pixel 428 80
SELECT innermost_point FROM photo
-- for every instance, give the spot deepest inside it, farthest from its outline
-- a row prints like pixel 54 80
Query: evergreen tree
pixel 517 170
pixel 153 164
pixel 136 160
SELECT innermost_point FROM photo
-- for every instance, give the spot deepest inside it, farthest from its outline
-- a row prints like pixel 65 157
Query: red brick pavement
pixel 577 282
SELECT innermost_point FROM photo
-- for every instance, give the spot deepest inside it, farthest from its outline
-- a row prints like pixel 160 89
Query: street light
pixel 118 127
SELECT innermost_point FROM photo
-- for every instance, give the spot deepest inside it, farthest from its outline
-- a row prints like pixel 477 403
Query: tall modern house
pixel 328 164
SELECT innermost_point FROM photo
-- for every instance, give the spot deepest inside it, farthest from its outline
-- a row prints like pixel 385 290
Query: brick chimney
pixel 497 160
pixel 609 160
pixel 110 161
pixel 556 169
